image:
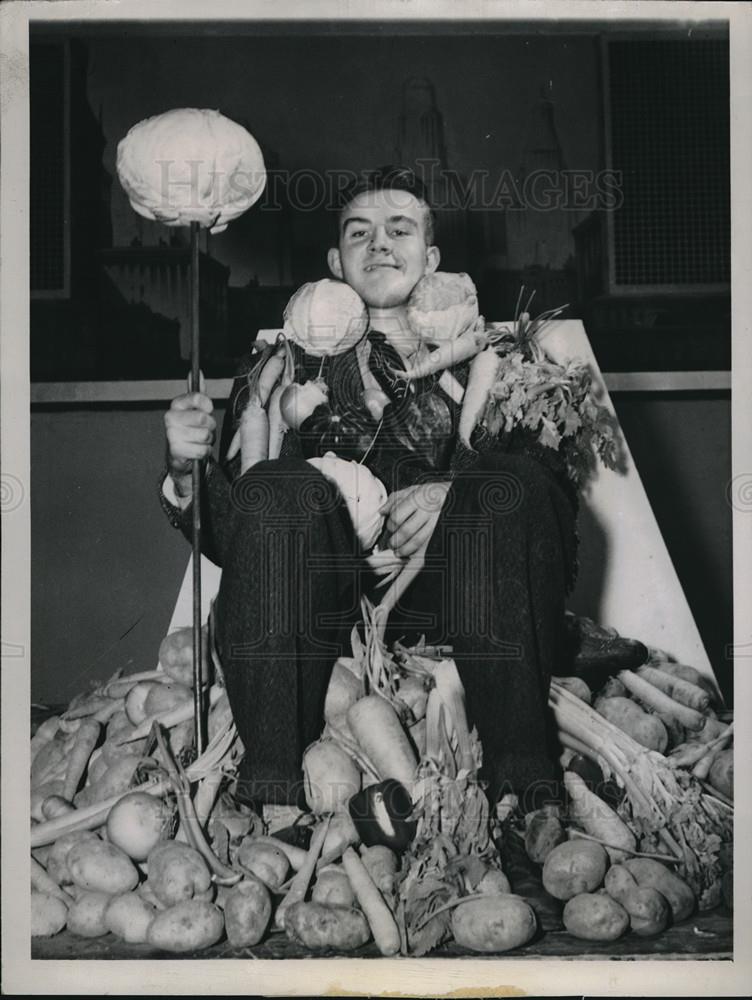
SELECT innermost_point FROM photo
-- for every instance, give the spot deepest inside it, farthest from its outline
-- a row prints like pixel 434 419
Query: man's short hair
pixel 389 178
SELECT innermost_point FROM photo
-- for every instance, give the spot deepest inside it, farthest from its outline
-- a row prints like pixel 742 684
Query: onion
pixel 298 402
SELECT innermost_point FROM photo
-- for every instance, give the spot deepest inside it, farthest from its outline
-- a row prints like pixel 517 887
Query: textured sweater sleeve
pixel 216 483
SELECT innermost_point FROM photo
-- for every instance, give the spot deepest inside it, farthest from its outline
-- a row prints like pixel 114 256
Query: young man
pixel 497 558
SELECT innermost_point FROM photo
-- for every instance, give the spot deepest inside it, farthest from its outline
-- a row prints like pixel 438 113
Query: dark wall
pixel 327 103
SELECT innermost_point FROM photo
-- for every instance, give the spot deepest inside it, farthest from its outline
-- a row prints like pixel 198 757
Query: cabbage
pixel 325 317
pixel 190 165
pixel 442 306
pixel 363 493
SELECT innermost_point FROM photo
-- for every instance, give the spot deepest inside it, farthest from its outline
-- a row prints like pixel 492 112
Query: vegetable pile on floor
pixel 132 836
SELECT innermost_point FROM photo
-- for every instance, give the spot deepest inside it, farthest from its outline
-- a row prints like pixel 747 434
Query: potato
pixel 574 867
pixel 166 696
pixel 333 886
pixel 721 775
pixel 319 926
pixel 128 916
pixel 48 914
pixel 595 917
pixel 176 655
pixel 135 701
pixel 648 910
pixel 146 893
pixel 248 910
pixel 186 926
pixel 646 729
pixel 613 688
pixel 543 832
pixel 268 863
pixel 577 686
pixel 86 914
pixel 57 859
pixel 497 923
pixel 655 875
pixel 101 867
pixel 177 872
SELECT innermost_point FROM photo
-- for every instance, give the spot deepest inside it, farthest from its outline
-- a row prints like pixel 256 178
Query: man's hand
pixel 412 515
pixel 190 429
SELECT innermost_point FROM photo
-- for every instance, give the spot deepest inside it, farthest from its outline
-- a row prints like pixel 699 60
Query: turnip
pixel 138 822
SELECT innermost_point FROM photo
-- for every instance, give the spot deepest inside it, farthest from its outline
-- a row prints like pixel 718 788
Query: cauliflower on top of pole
pixel 191 165
pixel 442 306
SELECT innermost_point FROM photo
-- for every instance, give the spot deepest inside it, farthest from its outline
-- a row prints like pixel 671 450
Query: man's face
pixel 382 247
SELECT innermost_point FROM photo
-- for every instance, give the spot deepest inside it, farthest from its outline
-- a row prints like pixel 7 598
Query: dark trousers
pixel 493 587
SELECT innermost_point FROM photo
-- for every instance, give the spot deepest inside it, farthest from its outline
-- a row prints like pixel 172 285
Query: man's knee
pixel 284 487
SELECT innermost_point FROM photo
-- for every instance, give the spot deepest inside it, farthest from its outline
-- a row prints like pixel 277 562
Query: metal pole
pixel 198 711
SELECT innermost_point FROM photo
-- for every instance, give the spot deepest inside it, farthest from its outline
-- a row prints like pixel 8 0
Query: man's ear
pixel 433 256
pixel 334 262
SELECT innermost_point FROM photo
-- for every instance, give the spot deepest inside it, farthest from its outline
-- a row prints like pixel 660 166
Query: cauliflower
pixel 363 493
pixel 325 317
pixel 442 306
pixel 191 165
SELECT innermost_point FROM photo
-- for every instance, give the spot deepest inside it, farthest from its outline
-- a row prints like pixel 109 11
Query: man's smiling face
pixel 382 247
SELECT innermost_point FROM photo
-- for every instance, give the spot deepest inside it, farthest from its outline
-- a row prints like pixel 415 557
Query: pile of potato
pixel 606 892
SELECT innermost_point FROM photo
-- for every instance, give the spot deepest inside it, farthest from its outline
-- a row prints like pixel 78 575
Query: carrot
pixel 598 819
pixel 55 805
pixel 181 713
pixel 86 739
pixel 269 376
pixel 451 353
pixel 483 371
pixel 680 690
pixel 88 707
pixel 702 767
pixel 299 885
pixel 252 436
pixel 42 882
pixel 44 734
pixel 107 711
pixel 120 686
pixel 277 426
pixel 378 730
pixel 379 916
pixel 650 696
pixel 685 672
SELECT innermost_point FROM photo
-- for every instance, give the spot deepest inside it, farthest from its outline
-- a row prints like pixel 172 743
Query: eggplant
pixel 382 814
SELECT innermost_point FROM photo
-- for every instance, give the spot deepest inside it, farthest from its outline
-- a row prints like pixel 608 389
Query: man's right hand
pixel 190 429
